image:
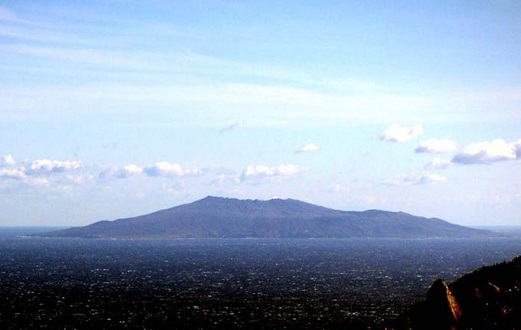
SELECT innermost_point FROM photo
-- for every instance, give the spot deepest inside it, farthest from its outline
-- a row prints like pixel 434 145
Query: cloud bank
pixel 35 171
pixel 67 172
pixel 14 174
pixel 47 166
pixel 166 169
pixel 488 152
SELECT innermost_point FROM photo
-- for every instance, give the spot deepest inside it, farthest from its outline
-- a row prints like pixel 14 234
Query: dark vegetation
pixel 215 217
pixel 226 284
pixel 488 298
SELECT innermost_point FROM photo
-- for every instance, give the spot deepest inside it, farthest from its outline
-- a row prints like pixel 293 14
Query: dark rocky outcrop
pixel 216 217
pixel 488 298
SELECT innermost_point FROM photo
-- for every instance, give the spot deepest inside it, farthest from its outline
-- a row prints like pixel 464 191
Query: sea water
pixel 227 283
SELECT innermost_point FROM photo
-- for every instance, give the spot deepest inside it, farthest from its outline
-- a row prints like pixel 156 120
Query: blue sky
pixel 111 109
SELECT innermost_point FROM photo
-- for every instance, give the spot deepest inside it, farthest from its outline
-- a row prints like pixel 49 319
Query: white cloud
pixel 342 189
pixel 165 169
pixel 263 171
pixel 425 178
pixel 436 146
pixel 15 174
pixel 399 133
pixel 47 166
pixel 130 170
pixel 159 169
pixel 488 152
pixel 21 176
pixel 35 172
pixel 310 147
pixel 80 179
pixel 122 172
pixel 517 147
pixel 8 160
pixel 438 163
pixel 418 178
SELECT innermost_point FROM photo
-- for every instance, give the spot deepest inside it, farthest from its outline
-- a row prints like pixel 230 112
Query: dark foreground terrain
pixel 239 283
pixel 487 298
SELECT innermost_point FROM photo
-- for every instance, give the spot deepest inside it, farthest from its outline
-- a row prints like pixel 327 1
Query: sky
pixel 112 109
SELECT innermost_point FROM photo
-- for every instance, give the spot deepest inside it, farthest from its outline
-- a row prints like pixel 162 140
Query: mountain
pixel 217 217
pixel 488 298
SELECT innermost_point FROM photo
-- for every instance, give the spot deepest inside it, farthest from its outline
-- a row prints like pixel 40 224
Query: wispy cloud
pixel 488 152
pixel 438 164
pixel 399 133
pixel 84 56
pixel 310 147
pixel 7 160
pixel 436 146
pixel 266 105
pixel 176 77
pixel 7 15
pixel 417 179
pixel 121 172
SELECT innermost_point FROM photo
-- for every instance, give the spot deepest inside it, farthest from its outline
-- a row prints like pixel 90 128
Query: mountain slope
pixel 488 298
pixel 227 217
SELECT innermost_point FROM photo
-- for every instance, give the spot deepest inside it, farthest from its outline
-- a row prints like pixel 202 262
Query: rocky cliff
pixel 488 298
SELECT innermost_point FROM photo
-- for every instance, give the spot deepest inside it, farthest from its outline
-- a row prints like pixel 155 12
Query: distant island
pixel 218 217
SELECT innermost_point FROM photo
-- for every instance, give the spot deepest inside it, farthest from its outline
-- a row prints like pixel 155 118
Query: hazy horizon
pixel 116 109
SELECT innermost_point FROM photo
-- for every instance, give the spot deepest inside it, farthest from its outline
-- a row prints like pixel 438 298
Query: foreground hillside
pixel 216 217
pixel 489 298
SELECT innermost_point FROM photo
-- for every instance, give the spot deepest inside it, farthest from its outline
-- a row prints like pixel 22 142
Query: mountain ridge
pixel 221 217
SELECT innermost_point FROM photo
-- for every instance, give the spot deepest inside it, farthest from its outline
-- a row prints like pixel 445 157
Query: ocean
pixel 226 283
